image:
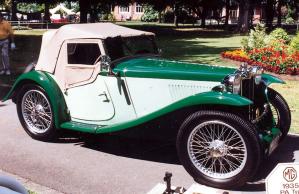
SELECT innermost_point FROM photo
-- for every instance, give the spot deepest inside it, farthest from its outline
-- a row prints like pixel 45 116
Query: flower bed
pixel 277 61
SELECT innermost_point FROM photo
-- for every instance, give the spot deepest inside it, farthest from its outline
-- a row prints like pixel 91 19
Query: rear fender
pixel 53 91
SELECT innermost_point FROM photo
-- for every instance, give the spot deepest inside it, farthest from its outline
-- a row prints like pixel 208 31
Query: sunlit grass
pixel 199 49
pixel 290 92
pixel 33 32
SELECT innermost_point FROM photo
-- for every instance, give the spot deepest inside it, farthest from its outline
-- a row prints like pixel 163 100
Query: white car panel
pixel 150 94
pixel 91 102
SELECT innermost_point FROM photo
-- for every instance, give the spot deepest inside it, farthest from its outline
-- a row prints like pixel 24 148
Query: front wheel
pixel 219 149
pixel 281 112
pixel 35 112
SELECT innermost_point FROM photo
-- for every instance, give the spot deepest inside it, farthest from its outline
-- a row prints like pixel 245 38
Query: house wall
pixel 234 14
pixel 130 13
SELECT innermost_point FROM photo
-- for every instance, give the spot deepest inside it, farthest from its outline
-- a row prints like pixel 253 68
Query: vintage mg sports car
pixel 103 78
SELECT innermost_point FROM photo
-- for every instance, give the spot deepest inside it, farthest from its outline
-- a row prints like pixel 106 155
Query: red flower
pixel 276 69
pixel 264 58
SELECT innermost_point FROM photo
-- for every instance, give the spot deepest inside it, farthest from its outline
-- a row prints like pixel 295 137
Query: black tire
pixel 281 112
pixel 249 160
pixel 41 113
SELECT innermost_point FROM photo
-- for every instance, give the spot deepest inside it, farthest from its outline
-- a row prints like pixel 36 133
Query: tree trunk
pixel 269 14
pixel 14 10
pixel 160 16
pixel 93 12
pixel 84 6
pixel 176 21
pixel 251 15
pixel 243 22
pixel 203 16
pixel 227 7
pixel 279 13
pixel 47 12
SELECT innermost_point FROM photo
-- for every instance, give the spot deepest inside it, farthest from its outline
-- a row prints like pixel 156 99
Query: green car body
pixel 79 88
pixel 144 68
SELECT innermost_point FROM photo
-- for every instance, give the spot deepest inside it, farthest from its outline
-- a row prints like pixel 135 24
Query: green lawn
pixel 34 32
pixel 198 49
pixel 186 44
pixel 290 92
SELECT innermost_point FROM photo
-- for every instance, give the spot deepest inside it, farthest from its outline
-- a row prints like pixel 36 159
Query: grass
pixel 185 44
pixel 204 50
pixel 33 32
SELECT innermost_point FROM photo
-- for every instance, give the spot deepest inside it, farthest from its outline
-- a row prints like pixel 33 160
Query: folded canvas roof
pixel 53 39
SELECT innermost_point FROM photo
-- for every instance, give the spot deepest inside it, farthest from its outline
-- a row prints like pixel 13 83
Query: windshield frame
pixel 149 37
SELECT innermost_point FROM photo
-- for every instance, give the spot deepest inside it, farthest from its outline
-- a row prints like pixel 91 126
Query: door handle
pixel 105 94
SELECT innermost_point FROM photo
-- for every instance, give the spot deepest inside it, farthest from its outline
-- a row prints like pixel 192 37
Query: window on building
pixel 256 11
pixel 233 13
pixel 139 8
pixel 124 9
pixel 82 53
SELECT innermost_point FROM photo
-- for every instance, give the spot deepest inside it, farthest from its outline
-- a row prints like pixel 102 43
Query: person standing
pixel 6 34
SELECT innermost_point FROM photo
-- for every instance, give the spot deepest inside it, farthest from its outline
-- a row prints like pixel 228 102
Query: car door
pixel 86 92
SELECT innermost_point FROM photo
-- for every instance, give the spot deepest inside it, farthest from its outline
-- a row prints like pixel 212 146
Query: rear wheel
pixel 281 112
pixel 35 112
pixel 218 149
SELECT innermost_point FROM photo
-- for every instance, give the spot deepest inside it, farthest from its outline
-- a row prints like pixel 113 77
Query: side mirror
pixel 106 64
pixel 105 61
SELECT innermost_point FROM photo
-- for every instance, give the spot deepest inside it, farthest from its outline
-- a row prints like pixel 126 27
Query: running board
pixel 82 127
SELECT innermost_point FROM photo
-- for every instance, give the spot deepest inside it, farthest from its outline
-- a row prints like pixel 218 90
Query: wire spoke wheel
pixel 36 112
pixel 275 114
pixel 217 149
pixel 280 111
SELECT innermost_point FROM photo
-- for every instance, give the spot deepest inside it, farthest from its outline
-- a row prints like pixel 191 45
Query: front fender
pixel 216 98
pixel 53 91
pixel 210 98
pixel 269 79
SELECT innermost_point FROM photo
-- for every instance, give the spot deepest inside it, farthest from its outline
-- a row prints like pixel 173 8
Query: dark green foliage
pixel 168 17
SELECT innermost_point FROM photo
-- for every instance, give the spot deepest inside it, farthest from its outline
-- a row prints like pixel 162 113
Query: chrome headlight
pixel 233 83
pixel 257 72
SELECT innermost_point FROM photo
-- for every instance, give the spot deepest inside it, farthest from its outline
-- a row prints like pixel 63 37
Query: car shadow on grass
pixel 164 151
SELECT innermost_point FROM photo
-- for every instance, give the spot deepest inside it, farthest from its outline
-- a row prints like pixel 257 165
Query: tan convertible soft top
pixel 53 39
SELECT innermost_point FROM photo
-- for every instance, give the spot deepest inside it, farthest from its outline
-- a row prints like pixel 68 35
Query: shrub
pixel 108 16
pixel 279 34
pixel 244 44
pixel 290 20
pixel 256 37
pixel 150 15
pixel 295 42
pixel 272 52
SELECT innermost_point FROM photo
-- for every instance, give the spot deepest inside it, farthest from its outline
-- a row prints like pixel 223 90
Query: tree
pixel 243 20
pixel 158 5
pixel 227 8
pixel 84 5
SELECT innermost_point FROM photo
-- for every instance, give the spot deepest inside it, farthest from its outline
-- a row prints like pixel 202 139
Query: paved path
pixel 103 164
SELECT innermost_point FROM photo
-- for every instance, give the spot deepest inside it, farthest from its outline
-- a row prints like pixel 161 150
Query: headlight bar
pixel 233 82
